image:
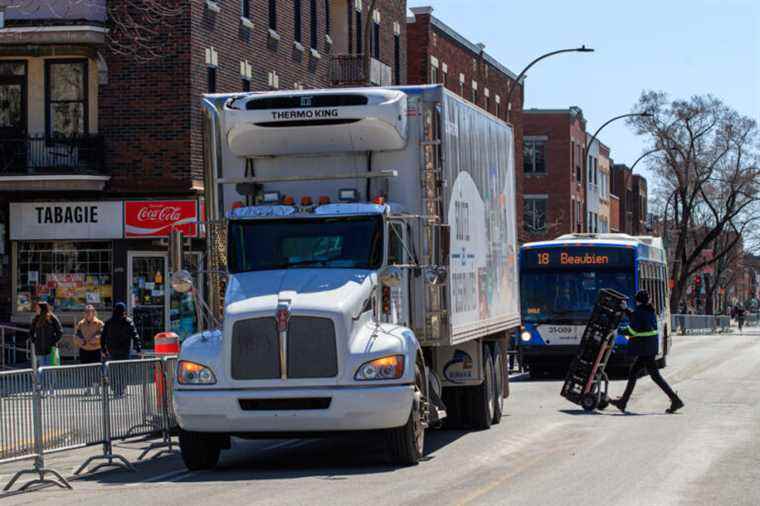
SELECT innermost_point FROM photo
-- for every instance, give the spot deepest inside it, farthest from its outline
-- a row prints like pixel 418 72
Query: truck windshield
pixel 346 242
pixel 557 295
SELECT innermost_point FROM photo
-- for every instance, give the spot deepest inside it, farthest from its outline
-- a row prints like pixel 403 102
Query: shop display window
pixel 67 275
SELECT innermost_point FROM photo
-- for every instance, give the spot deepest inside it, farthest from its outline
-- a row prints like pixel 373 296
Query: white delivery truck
pixel 371 274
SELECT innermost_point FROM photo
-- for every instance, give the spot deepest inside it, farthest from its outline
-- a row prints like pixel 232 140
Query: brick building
pixel 553 176
pixel 439 54
pixel 631 190
pixel 102 152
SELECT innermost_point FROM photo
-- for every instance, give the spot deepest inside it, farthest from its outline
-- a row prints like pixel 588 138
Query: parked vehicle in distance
pixel 559 282
pixel 371 248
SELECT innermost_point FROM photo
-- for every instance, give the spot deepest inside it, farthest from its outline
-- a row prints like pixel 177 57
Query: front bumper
pixel 351 409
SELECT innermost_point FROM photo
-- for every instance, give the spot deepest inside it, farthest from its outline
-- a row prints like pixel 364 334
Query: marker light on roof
pixel 324 199
pixel 379 200
pixel 306 201
pixel 348 195
pixel 287 200
pixel 237 204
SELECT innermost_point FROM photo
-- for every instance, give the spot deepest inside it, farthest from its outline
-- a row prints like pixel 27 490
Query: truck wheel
pixel 200 451
pixel 484 405
pixel 406 444
pixel 498 365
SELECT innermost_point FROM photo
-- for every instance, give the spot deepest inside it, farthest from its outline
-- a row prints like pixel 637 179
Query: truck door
pixel 398 245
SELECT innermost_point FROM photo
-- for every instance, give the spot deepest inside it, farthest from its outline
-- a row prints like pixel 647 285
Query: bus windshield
pixel 568 295
pixel 346 242
pixel 562 283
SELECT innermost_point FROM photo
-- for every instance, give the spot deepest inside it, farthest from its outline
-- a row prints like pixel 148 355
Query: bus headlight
pixel 190 373
pixel 525 336
pixel 385 368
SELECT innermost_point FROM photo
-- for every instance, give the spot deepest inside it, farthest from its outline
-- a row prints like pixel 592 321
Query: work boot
pixel 675 405
pixel 619 403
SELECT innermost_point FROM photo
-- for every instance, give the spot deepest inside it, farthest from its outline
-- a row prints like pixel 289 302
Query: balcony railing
pixel 348 69
pixel 59 155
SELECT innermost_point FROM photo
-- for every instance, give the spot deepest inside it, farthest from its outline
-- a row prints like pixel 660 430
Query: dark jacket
pixel 45 334
pixel 119 334
pixel 642 331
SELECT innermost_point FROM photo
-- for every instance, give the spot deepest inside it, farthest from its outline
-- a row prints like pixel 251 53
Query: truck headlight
pixel 525 336
pixel 190 373
pixel 385 368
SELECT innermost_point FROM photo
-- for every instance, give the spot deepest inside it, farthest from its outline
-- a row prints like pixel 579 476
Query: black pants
pixel 648 363
pixel 89 356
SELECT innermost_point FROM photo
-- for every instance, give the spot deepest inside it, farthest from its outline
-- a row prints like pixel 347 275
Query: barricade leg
pixel 111 459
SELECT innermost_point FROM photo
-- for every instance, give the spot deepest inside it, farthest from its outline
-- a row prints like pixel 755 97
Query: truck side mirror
pixel 435 274
pixel 391 276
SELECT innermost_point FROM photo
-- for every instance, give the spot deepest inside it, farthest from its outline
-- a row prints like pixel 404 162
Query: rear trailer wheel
pixel 484 404
pixel 200 451
pixel 406 444
pixel 499 374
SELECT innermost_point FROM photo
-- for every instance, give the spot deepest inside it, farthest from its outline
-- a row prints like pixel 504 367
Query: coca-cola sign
pixel 158 218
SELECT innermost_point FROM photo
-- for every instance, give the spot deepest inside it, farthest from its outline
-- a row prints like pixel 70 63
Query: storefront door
pixel 149 293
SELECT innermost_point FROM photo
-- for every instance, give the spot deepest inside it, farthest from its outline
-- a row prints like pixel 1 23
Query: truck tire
pixel 482 397
pixel 200 451
pixel 406 444
pixel 498 391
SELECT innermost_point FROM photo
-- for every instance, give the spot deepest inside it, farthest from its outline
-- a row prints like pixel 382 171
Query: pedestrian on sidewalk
pixel 44 334
pixel 88 332
pixel 741 313
pixel 118 338
pixel 643 343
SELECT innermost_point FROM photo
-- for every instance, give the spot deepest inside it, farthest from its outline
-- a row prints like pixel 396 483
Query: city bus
pixel 559 281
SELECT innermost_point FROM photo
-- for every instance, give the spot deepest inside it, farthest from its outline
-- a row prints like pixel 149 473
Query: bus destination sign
pixel 578 257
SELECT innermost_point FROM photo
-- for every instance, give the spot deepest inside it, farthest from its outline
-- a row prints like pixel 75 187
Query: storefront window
pixel 67 275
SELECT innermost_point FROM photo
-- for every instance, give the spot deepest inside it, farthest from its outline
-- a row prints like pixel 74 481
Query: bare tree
pixel 136 28
pixel 708 167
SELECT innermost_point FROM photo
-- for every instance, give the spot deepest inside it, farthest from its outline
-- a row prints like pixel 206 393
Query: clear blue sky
pixel 683 47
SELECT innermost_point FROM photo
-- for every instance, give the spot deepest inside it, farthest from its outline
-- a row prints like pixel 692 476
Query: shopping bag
pixel 55 356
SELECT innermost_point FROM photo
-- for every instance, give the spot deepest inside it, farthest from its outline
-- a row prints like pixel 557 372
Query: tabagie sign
pixel 65 220
pixel 148 219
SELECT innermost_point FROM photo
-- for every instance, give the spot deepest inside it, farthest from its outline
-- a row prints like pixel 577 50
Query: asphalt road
pixel 546 451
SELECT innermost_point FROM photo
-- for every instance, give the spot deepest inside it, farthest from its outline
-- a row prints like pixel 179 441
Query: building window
pixel 488 103
pixel 66 96
pixel 376 40
pixel 498 107
pixel 474 95
pixel 211 79
pixel 246 85
pixel 67 275
pixel 245 8
pixel 327 16
pixel 397 59
pixel 359 35
pixel 533 157
pixel 433 74
pixel 590 169
pixel 273 15
pixel 534 214
pixel 313 24
pixel 297 21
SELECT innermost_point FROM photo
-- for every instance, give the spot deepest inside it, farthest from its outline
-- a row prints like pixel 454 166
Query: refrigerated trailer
pixel 369 247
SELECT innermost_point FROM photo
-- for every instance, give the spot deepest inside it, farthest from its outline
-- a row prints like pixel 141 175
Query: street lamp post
pixel 591 142
pixel 582 49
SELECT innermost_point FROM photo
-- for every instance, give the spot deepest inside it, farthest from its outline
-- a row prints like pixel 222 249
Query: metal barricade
pixel 700 324
pixel 16 415
pixel 135 406
pixel 10 346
